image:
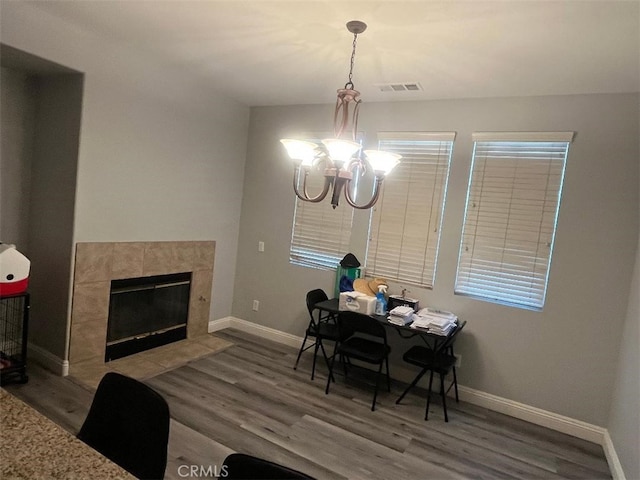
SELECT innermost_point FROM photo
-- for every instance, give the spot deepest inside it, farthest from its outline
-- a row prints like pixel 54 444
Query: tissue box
pixel 398 301
pixel 357 302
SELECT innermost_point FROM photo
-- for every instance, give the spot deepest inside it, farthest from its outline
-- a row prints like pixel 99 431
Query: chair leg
pixel 388 376
pixel 375 392
pixel 315 355
pixel 413 384
pixel 426 413
pixel 335 349
pixel 330 376
pixel 443 394
pixel 301 350
pixel 455 384
pixel 345 360
pixel 324 354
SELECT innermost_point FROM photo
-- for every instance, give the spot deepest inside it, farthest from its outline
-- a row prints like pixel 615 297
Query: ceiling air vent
pixel 399 87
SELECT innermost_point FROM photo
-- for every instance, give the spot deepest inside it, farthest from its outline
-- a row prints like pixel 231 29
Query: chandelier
pixel 340 158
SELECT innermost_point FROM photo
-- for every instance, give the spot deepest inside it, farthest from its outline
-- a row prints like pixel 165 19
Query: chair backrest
pixel 313 297
pixel 246 467
pixel 128 422
pixel 359 323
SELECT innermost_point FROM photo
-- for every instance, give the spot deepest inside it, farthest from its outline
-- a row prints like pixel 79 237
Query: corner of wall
pixel 47 359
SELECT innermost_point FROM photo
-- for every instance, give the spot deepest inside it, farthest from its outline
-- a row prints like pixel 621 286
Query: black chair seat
pixel 329 331
pixel 424 357
pixel 364 349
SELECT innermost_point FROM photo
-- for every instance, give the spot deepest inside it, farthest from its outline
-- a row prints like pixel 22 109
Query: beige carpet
pixel 150 363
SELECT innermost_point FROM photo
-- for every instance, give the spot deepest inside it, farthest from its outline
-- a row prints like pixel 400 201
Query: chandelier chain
pixel 353 58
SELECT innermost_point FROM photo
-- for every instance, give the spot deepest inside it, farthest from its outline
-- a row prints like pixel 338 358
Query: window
pixel 406 221
pixel 321 235
pixel 510 218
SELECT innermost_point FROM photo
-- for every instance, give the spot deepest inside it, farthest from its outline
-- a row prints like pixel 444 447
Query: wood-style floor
pixel 248 399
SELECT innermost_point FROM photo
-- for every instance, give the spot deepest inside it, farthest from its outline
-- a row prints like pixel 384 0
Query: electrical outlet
pixel 458 361
pixel 256 305
pixel 261 246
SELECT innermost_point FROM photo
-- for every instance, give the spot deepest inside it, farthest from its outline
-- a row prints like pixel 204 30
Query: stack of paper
pixel 402 315
pixel 435 321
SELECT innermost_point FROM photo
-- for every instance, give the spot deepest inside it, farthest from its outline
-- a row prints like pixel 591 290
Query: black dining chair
pixel 128 422
pixel 319 329
pixel 239 466
pixel 367 342
pixel 440 361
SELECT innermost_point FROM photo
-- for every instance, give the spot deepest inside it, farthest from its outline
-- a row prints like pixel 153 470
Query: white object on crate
pixel 14 270
pixel 357 302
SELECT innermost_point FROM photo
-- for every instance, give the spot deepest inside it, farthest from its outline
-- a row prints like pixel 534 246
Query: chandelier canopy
pixel 341 158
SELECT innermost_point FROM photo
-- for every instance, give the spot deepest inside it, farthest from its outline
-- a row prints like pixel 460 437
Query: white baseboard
pixel 538 416
pixel 612 458
pixel 220 324
pixel 47 359
pixel 256 329
pixel 554 421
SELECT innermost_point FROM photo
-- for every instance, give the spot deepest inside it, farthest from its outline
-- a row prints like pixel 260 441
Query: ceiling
pixel 297 52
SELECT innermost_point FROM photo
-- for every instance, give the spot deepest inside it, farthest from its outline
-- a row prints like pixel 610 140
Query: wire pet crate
pixel 14 316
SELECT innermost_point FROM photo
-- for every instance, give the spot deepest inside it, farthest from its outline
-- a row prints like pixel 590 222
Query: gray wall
pixel 17 121
pixel 561 359
pixel 51 208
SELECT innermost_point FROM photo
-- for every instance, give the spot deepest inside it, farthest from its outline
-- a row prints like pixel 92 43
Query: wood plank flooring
pixel 249 399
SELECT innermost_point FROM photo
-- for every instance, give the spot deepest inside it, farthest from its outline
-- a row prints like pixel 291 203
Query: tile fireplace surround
pixel 96 264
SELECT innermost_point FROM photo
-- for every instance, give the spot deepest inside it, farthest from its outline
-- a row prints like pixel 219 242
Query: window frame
pixel 520 277
pixel 416 262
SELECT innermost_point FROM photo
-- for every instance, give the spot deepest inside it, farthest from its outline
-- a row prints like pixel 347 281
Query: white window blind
pixel 406 221
pixel 510 220
pixel 321 235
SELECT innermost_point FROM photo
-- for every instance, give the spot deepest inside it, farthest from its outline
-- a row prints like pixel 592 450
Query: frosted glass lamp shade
pixel 340 151
pixel 300 150
pixel 382 161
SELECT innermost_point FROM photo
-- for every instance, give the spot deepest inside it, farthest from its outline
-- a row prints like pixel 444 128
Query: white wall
pixel 561 359
pixel 160 158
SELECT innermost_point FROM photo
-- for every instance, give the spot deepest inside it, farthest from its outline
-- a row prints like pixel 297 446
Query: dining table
pixel 433 340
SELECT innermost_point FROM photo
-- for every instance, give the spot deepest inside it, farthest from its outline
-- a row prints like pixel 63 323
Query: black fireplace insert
pixel 147 312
